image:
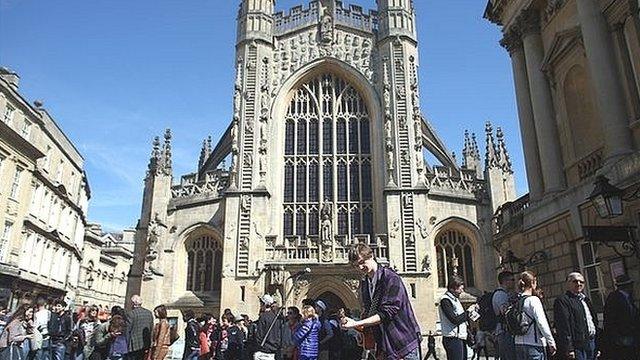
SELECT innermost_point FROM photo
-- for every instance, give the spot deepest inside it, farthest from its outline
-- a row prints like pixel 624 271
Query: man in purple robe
pixel 387 308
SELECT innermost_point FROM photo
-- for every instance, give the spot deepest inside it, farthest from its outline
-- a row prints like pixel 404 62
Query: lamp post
pixel 608 201
pixel 516 264
pixel 606 198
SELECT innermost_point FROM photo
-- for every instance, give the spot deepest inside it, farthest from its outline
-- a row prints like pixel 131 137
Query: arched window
pixel 455 256
pixel 327 159
pixel 204 264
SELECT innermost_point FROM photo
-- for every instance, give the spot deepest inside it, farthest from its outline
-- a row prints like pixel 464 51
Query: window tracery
pixel 327 159
pixel 455 256
pixel 204 264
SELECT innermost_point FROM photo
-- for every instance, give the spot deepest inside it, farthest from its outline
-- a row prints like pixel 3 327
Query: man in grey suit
pixel 140 326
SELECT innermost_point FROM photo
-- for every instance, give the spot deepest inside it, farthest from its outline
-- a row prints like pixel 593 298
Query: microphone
pixel 300 273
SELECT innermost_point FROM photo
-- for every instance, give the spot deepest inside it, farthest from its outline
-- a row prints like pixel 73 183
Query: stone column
pixel 626 70
pixel 513 43
pixel 606 80
pixel 542 104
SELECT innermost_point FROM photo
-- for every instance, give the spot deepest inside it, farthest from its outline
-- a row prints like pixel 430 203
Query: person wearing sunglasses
pixel 575 321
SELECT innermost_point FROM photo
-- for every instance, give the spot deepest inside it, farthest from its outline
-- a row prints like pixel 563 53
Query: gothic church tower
pixel 326 146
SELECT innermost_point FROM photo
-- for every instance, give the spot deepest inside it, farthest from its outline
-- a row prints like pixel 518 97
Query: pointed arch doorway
pixel 333 301
pixel 335 293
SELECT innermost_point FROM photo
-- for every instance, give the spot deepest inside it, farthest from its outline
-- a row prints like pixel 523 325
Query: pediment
pixel 563 43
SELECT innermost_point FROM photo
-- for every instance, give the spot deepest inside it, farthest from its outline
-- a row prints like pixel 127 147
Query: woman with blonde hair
pixel 537 333
pixel 307 335
pixel 161 334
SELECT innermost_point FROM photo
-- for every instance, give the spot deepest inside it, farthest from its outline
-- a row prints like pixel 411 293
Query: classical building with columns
pixel 44 197
pixel 576 68
pixel 327 147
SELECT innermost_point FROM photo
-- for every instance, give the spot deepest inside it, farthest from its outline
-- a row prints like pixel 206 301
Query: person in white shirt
pixel 40 322
pixel 531 346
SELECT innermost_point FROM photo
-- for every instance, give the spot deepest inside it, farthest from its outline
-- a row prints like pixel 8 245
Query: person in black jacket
pixel 191 343
pixel 575 322
pixel 268 343
pixel 60 326
pixel 622 322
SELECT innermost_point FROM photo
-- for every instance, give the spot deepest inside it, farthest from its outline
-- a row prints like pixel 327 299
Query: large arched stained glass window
pixel 454 255
pixel 204 264
pixel 327 159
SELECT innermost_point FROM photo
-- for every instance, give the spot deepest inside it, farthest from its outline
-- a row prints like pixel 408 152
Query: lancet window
pixel 204 264
pixel 327 159
pixel 455 256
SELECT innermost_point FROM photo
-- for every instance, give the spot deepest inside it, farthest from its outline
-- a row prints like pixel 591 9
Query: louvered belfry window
pixel 327 159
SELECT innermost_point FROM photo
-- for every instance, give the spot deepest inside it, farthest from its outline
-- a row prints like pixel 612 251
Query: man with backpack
pixel 500 300
pixel 575 321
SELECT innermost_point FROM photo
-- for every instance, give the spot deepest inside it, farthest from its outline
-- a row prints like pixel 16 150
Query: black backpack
pixel 516 320
pixel 488 318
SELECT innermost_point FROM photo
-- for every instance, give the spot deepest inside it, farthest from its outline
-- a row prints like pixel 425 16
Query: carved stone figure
pixel 327 229
pixel 233 169
pixel 154 232
pixel 426 264
pixel 326 28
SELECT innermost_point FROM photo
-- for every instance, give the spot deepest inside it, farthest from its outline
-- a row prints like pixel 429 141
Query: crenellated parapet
pixel 299 17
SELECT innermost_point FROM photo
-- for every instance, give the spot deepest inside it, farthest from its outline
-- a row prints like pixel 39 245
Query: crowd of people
pixel 514 319
pixel 291 333
pixel 44 330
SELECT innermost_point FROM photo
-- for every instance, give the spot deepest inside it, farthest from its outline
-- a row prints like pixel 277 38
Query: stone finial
pixel 505 160
pixel 467 144
pixel 166 152
pixel 155 158
pixel 205 151
pixel 475 149
pixel 491 155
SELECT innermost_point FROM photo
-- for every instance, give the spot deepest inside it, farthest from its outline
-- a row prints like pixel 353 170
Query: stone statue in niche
pixel 248 126
pixel 426 264
pixel 327 238
pixel 326 28
pixel 248 160
pixel 154 232
pixel 236 104
pixel 233 169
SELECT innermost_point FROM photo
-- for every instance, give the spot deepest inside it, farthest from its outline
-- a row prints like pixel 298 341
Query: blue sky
pixel 116 73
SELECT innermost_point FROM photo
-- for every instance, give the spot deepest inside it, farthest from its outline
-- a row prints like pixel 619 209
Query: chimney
pixel 9 76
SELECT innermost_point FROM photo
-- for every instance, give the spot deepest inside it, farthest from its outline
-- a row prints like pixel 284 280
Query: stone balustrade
pixel 444 179
pixel 306 249
pixel 509 216
pixel 212 185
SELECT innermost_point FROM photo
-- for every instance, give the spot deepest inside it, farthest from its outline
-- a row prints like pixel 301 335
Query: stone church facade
pixel 327 148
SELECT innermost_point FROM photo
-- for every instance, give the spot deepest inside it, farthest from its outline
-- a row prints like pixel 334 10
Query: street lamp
pixel 90 282
pixel 516 264
pixel 608 201
pixel 606 198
